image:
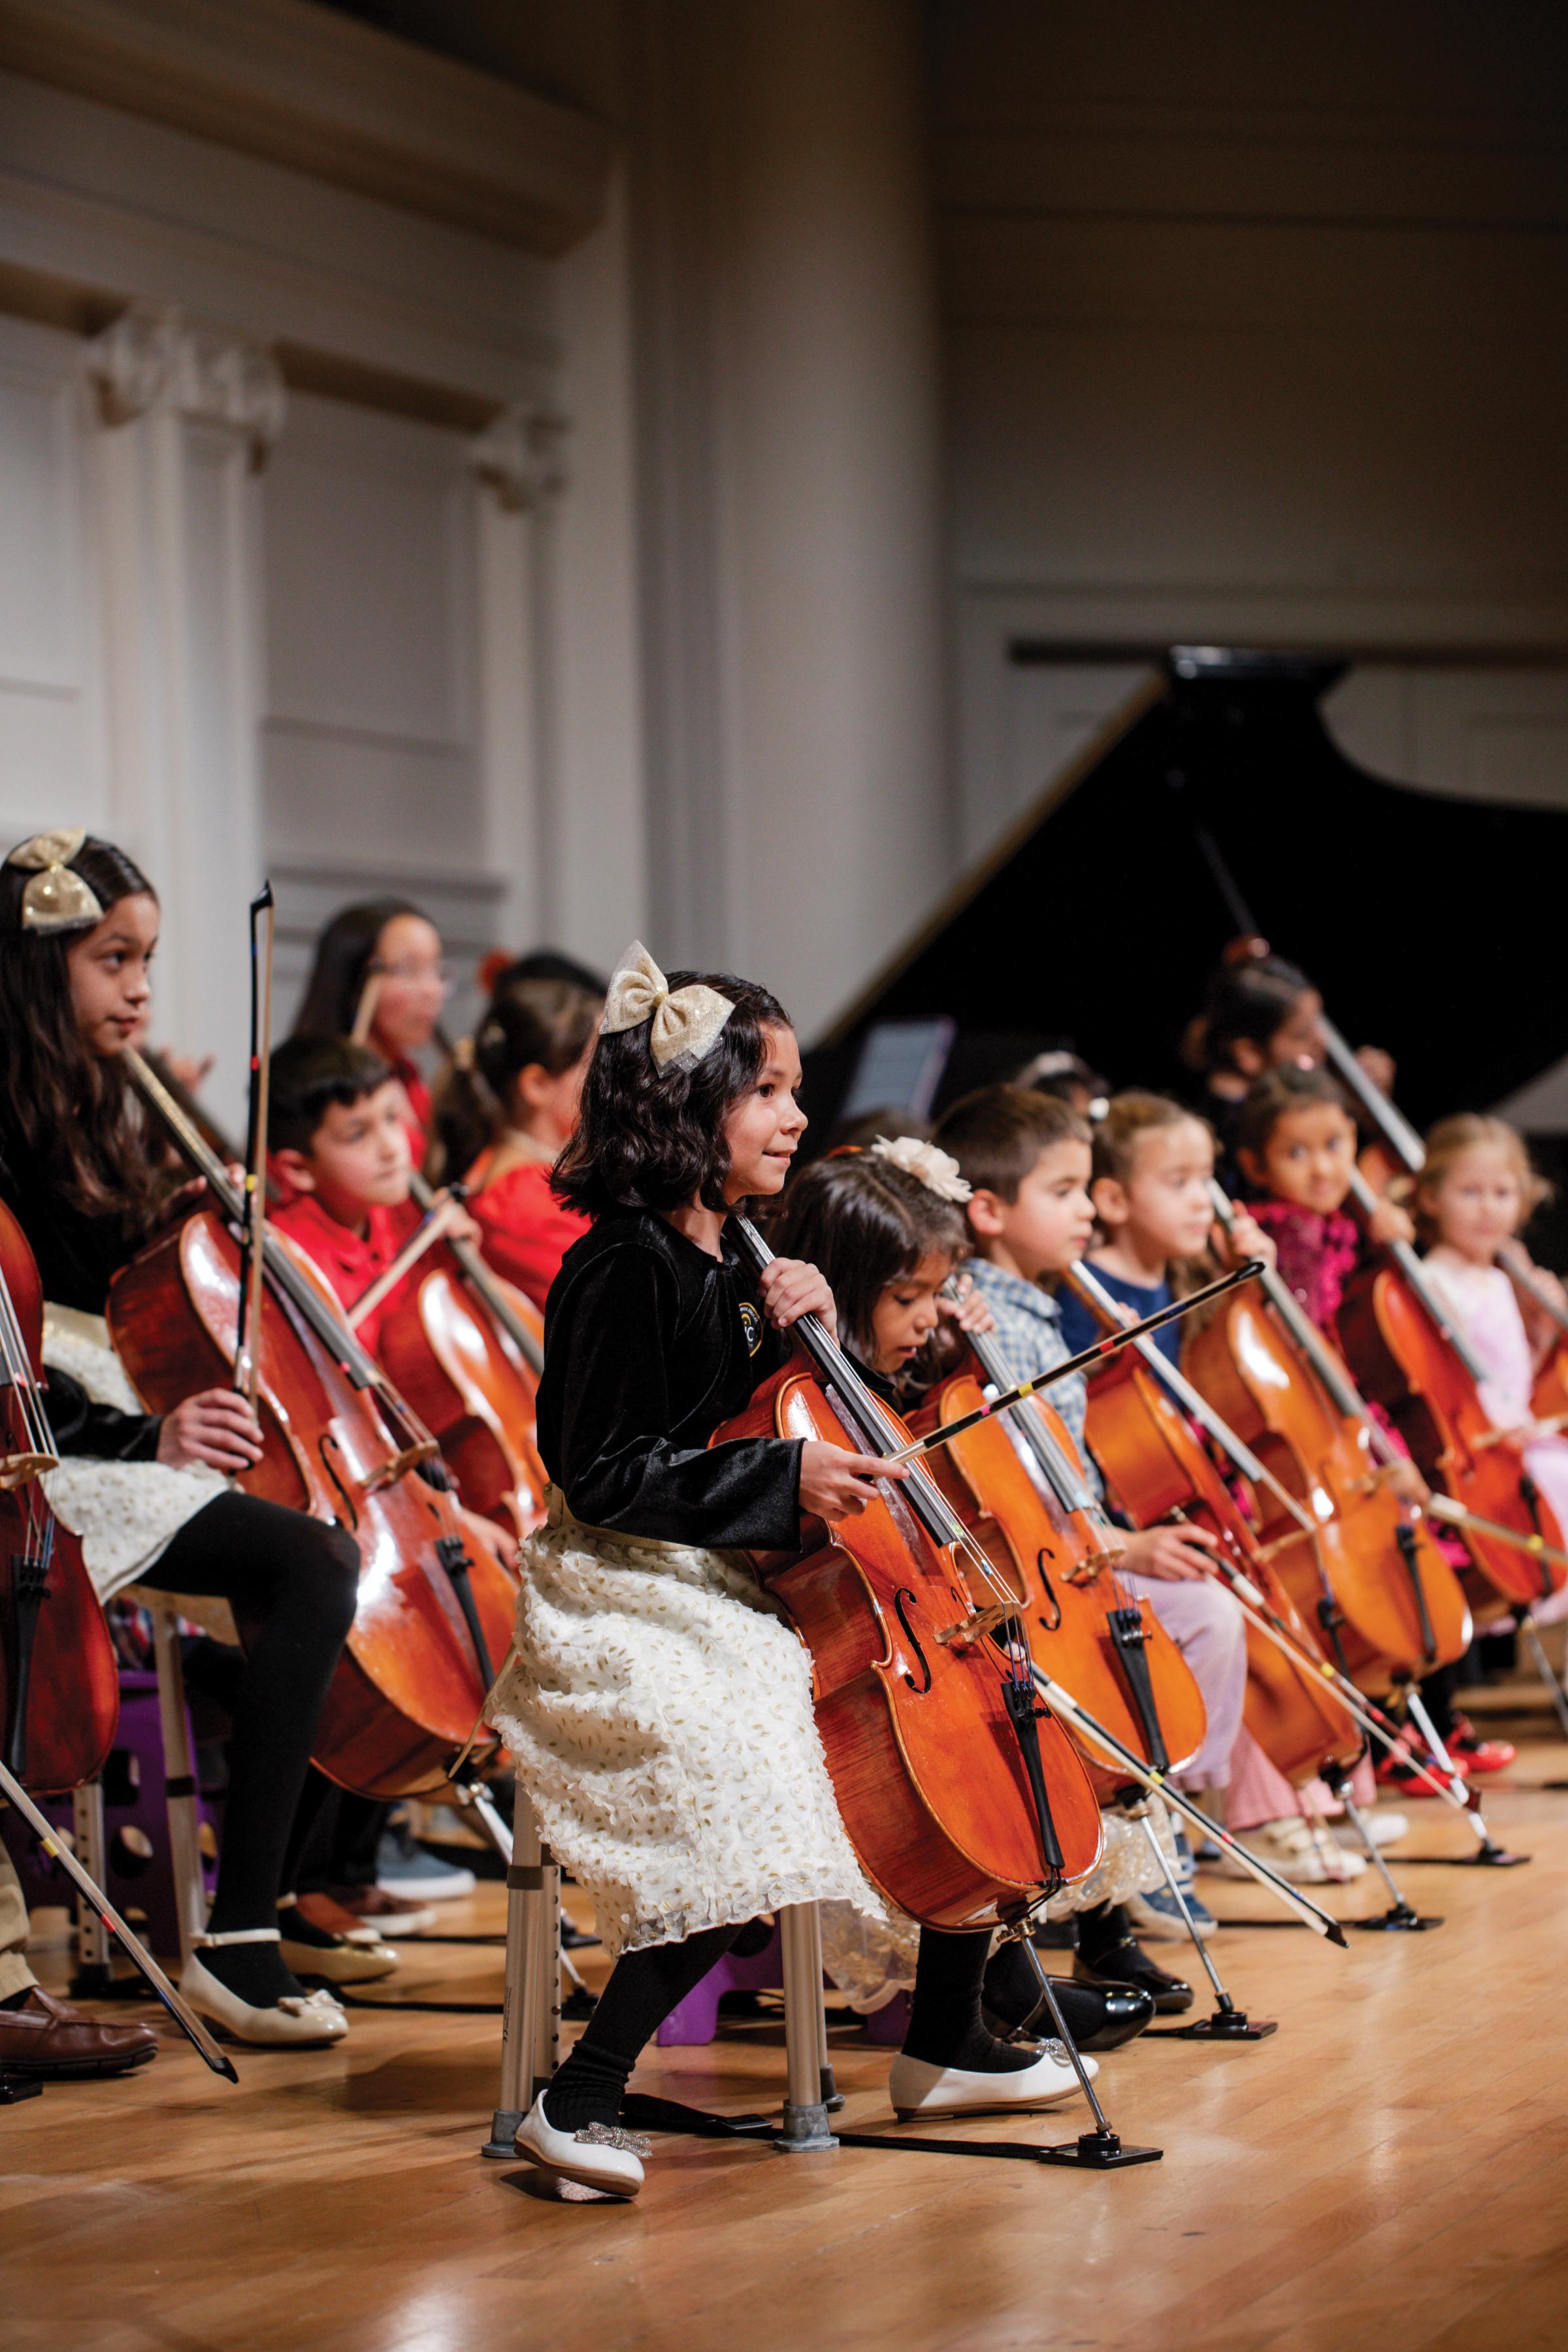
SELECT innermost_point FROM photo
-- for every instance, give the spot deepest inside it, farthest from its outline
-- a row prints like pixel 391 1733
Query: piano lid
pixel 1433 925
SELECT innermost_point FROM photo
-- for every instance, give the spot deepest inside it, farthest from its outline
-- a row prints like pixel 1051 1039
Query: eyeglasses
pixel 420 976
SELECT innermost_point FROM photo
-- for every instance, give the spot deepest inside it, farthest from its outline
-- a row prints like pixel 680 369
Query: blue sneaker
pixel 408 1869
pixel 1156 1916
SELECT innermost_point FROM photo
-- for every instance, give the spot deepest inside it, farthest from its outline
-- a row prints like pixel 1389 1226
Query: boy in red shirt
pixel 339 1147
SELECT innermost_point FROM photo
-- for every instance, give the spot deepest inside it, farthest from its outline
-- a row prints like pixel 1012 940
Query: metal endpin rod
pixel 1174 1883
pixel 1049 1995
pixel 1428 1730
pixel 1543 1668
pixel 1363 1828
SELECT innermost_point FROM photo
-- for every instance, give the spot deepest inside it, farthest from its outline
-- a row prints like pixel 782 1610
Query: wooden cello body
pixel 410 1684
pixel 1369 1571
pixel 928 1771
pixel 59 1685
pixel 1157 1469
pixel 1106 1648
pixel 1402 1358
pixel 464 1375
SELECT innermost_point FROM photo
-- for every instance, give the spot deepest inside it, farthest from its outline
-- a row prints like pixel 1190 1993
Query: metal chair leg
pixel 179 1783
pixel 530 2022
pixel 808 2077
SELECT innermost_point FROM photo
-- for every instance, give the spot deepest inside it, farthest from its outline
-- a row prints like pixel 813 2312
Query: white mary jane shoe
pixel 600 2155
pixel 917 2088
pixel 298 2018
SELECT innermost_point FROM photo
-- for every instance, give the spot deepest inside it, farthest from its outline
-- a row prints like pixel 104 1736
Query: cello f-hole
pixel 327 1446
pixel 902 1595
pixel 1053 1623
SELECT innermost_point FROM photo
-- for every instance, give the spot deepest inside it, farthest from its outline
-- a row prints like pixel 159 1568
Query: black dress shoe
pixel 1098 2017
pixel 1127 1963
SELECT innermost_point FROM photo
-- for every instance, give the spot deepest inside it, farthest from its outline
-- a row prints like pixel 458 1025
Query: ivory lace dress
pixel 657 1705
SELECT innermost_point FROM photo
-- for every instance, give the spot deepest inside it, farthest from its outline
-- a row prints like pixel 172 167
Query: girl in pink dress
pixel 1476 1191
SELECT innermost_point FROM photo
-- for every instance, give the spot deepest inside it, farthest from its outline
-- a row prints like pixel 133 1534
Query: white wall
pixel 1256 334
pixel 247 627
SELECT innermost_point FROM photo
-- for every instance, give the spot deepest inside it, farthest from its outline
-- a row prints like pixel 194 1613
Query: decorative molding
pixel 518 456
pixel 322 93
pixel 152 355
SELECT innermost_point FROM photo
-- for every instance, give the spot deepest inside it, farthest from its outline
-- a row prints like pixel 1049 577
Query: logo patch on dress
pixel 751 1325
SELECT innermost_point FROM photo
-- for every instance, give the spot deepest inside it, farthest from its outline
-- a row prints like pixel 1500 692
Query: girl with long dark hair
pixel 505 1113
pixel 380 977
pixel 148 1494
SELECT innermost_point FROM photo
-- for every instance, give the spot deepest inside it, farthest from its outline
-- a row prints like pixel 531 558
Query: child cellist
pixel 658 1712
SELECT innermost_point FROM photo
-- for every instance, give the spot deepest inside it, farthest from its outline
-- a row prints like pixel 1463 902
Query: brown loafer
pixel 46 2037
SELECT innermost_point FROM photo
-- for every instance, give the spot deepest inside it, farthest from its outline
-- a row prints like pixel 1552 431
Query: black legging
pixel 293 1581
pixel 944 2027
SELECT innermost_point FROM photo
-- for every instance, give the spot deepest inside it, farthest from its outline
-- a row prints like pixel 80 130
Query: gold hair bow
pixel 683 1026
pixel 937 1170
pixel 55 899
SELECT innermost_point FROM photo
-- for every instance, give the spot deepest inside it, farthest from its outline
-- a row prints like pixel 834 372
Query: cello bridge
pixel 978 1626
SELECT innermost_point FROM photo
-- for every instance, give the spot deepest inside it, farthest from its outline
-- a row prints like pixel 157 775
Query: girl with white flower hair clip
pixel 658 1708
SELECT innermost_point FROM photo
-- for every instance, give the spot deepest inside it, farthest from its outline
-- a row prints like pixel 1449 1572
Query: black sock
pixel 254 1971
pixel 644 1987
pixel 1100 1929
pixel 301 1930
pixel 945 2025
pixel 18 2000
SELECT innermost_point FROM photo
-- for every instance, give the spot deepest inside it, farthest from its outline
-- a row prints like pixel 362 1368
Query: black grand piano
pixel 1431 924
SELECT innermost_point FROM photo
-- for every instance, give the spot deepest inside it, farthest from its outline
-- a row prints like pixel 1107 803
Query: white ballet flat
pixel 340 1963
pixel 299 2018
pixel 600 2155
pixel 917 2088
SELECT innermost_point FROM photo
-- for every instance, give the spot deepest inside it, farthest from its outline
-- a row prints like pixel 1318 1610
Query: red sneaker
pixel 1399 1772
pixel 1467 1747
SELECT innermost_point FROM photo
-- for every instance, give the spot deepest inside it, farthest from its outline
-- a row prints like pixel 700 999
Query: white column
pixel 189 412
pixel 517 462
pixel 787 327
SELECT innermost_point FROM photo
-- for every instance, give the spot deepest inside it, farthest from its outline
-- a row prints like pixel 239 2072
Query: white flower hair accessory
pixel 55 899
pixel 937 1170
pixel 683 1024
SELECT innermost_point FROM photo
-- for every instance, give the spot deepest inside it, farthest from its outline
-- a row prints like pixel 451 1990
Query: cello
pixel 59 1697
pixel 1157 1469
pixel 466 1349
pixel 965 1799
pixel 1018 1487
pixel 340 1443
pixel 1370 1573
pixel 1410 1358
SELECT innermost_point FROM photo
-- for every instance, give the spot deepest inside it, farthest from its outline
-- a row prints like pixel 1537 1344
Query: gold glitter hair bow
pixel 683 1024
pixel 55 899
pixel 936 1170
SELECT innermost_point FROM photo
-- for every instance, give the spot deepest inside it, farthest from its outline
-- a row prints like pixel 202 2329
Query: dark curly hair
pixel 653 1138
pixel 71 1114
pixel 863 1222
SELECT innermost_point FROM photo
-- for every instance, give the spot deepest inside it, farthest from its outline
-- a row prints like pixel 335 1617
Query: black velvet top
pixel 77 1255
pixel 650 1343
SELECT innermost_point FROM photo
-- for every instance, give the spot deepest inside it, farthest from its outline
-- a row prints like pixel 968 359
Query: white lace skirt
pixel 658 1711
pixel 124 1512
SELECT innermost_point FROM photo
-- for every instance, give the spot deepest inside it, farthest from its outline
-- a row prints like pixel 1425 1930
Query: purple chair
pixel 696 2019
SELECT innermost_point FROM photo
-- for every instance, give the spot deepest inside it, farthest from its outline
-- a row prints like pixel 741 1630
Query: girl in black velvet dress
pixel 148 1493
pixel 658 1708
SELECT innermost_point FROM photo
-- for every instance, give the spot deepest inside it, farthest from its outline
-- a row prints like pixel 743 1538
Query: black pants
pixel 294 1582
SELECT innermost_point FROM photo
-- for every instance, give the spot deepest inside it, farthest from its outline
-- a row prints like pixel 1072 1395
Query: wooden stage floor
pixel 1390 2170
